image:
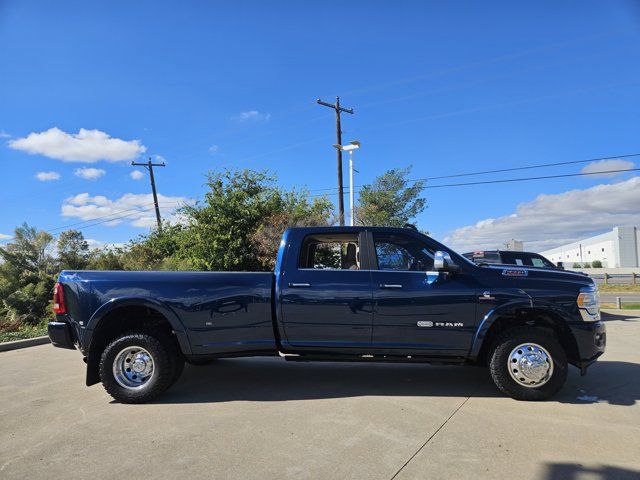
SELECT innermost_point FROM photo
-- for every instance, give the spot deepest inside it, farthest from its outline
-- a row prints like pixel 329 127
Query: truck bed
pixel 211 312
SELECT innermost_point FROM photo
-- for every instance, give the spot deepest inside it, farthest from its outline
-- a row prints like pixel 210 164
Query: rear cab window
pixel 484 257
pixel 330 252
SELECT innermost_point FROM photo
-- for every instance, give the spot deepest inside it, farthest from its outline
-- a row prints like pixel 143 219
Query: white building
pixel 515 245
pixel 618 248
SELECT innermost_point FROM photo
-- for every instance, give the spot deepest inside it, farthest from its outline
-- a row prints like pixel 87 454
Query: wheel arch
pixel 124 314
pixel 500 320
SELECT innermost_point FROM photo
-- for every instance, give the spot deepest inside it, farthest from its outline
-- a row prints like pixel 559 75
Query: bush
pixel 586 265
pixel 596 264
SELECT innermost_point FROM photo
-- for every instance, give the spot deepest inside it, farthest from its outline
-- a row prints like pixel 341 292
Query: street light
pixel 350 148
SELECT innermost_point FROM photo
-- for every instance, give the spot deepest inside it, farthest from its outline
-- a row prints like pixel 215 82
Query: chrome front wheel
pixel 530 365
pixel 133 367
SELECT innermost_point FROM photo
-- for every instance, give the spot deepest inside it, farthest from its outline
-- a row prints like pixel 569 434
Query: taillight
pixel 58 299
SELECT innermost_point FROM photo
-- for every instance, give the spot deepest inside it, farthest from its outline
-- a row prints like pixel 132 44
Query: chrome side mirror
pixel 442 262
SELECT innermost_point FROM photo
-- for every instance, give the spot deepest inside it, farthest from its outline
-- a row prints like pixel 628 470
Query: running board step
pixel 294 357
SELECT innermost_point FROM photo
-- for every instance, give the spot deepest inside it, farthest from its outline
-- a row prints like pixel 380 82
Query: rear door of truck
pixel 325 291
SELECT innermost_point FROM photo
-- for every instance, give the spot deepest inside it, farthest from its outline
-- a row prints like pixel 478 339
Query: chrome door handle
pixel 299 285
pixel 390 285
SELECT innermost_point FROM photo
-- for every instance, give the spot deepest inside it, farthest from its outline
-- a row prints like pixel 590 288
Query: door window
pixel 402 253
pixel 330 252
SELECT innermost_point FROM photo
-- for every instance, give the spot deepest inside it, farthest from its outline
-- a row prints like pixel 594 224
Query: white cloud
pixel 86 146
pixel 134 209
pixel 552 220
pixel 47 176
pixel 89 173
pixel 608 165
pixel 4 134
pixel 251 115
pixel 213 149
pixel 4 236
pixel 136 175
pixel 100 245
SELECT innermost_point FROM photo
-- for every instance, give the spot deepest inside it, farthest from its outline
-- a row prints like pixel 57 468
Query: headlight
pixel 589 303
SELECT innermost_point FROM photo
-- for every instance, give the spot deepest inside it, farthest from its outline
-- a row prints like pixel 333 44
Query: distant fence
pixel 616 278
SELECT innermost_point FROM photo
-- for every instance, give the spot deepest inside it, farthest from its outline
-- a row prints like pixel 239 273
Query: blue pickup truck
pixel 340 294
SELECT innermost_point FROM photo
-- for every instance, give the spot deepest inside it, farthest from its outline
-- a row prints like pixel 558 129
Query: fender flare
pixel 490 318
pixel 93 357
pixel 176 324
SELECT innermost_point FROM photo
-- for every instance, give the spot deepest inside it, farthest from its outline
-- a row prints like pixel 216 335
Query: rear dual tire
pixel 136 367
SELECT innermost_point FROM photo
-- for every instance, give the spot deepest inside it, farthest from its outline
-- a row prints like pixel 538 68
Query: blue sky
pixel 448 87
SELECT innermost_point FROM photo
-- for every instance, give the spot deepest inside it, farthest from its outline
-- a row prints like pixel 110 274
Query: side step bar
pixel 318 357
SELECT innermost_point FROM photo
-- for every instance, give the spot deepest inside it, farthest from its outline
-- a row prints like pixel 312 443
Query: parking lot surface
pixel 267 418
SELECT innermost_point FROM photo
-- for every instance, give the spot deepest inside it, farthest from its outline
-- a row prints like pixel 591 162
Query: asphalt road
pixel 266 418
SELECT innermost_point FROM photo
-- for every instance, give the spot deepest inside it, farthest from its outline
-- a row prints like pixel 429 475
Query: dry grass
pixel 619 288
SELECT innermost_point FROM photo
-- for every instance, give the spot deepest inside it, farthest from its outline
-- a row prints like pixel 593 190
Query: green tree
pixel 155 251
pixel 221 233
pixel 27 275
pixel 106 259
pixel 391 200
pixel 296 211
pixel 73 250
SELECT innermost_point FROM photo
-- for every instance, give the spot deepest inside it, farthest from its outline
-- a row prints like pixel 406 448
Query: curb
pixel 27 342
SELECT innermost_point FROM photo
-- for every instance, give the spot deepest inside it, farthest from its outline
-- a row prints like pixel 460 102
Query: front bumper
pixel 61 335
pixel 591 340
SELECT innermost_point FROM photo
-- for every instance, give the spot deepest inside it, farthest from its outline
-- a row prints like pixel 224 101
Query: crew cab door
pixel 415 308
pixel 325 293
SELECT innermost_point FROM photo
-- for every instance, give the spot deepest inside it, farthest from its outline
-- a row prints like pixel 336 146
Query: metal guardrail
pixel 616 278
pixel 621 300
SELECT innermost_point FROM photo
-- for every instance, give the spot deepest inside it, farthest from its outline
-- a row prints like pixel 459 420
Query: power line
pixel 109 218
pixel 602 172
pixel 509 180
pixel 541 165
pixel 512 169
pixel 116 215
pixel 96 218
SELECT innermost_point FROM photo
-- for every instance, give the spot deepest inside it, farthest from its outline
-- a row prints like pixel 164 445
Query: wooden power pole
pixel 149 166
pixel 338 109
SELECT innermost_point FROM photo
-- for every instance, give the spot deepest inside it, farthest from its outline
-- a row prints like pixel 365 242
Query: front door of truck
pixel 326 294
pixel 416 308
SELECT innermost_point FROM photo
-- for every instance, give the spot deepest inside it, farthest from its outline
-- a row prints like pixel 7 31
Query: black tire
pixel 178 368
pixel 164 366
pixel 175 354
pixel 199 362
pixel 499 362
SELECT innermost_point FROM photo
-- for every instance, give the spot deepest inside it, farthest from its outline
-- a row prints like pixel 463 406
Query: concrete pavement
pixel 266 418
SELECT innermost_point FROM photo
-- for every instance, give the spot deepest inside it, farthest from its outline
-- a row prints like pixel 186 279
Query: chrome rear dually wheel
pixel 138 366
pixel 133 367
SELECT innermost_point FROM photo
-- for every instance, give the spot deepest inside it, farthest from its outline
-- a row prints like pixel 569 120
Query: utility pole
pixel 338 109
pixel 149 166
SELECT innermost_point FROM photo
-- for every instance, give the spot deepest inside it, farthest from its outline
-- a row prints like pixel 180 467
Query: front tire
pixel 528 363
pixel 137 367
